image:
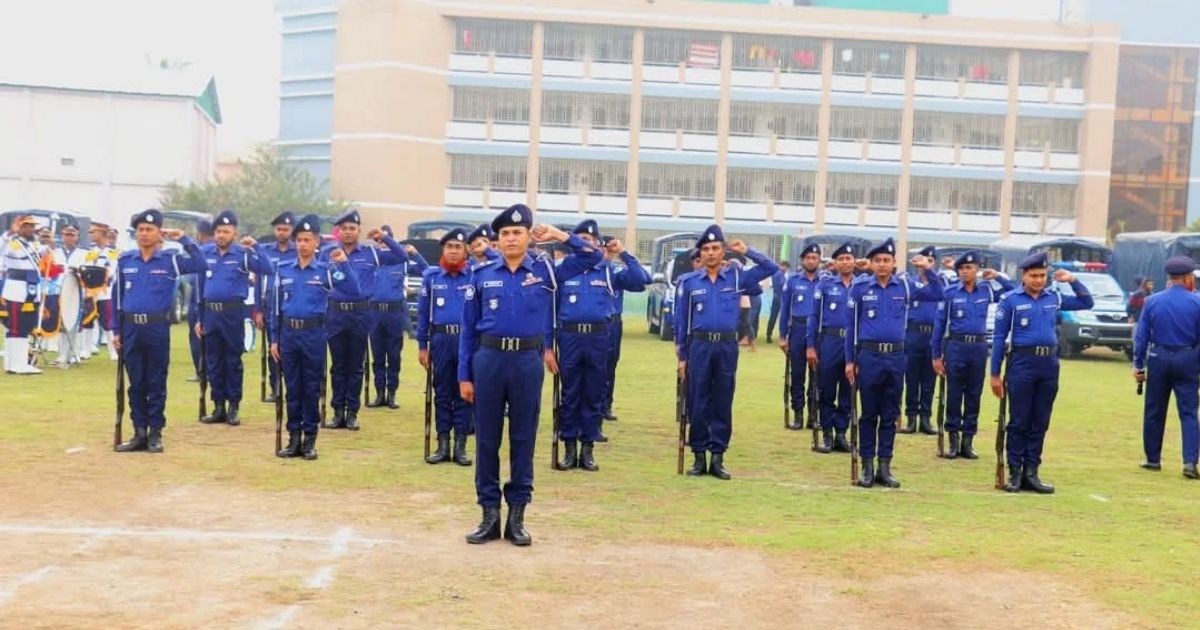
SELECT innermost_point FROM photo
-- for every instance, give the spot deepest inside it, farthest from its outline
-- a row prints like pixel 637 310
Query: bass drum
pixel 70 303
pixel 250 340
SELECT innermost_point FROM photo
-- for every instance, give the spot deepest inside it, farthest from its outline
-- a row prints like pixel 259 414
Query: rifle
pixel 787 388
pixel 262 376
pixel 557 402
pixel 324 381
pixel 681 418
pixel 428 403
pixel 941 416
pixel 1140 385
pixel 278 405
pixel 203 363
pixel 1001 427
pixel 120 397
pixel 814 407
pixel 854 433
pixel 367 372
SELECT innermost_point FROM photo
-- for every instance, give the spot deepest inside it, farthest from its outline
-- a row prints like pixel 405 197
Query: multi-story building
pixel 655 117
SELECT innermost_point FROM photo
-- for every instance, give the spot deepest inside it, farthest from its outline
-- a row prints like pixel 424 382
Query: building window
pixel 671 48
pixel 851 190
pixel 1051 200
pixel 762 119
pixel 505 39
pixel 934 194
pixel 582 177
pixel 575 109
pixel 978 65
pixel 789 54
pixel 475 172
pixel 575 43
pixel 859 123
pixel 973 131
pixel 686 114
pixel 876 58
pixel 676 180
pixel 1060 135
pixel 782 187
pixel 483 104
pixel 1064 69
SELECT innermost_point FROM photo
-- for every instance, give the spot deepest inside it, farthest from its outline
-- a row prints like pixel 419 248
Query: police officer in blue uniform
pixel 919 376
pixel 1030 315
pixel 826 349
pixel 960 349
pixel 777 282
pixel 439 327
pixel 616 328
pixel 144 293
pixel 284 250
pixel 1168 333
pixel 506 335
pixel 348 324
pixel 479 245
pixel 796 306
pixel 706 318
pixel 297 327
pixel 875 352
pixel 204 233
pixel 225 287
pixel 389 311
pixel 585 308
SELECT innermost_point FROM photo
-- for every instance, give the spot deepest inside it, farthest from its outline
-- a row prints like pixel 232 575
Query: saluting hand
pixel 924 263
pixel 738 247
pixel 948 262
pixel 1062 275
pixel 375 234
pixel 544 233
pixel 248 241
pixel 989 274
pixel 615 246
pixel 172 235
pixel 409 249
pixel 338 255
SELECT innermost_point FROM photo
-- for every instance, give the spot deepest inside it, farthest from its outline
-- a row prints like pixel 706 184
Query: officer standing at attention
pixel 585 307
pixel 960 349
pixel 204 232
pixel 297 327
pixel 1169 332
pixel 439 326
pixel 283 251
pixel 619 258
pixel 826 349
pixel 506 335
pixel 918 373
pixel 706 316
pixel 22 255
pixel 348 324
pixel 796 296
pixel 1030 315
pixel 225 287
pixel 875 358
pixel 145 293
pixel 777 283
pixel 389 312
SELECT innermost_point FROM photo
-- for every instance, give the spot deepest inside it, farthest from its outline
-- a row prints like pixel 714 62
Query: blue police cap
pixel 968 258
pixel 151 216
pixel 811 248
pixel 1179 266
pixel 480 232
pixel 309 223
pixel 1036 261
pixel 285 218
pixel 605 240
pixel 712 235
pixel 843 249
pixel 886 247
pixel 204 226
pixel 928 251
pixel 515 215
pixel 349 216
pixel 587 226
pixel 226 217
pixel 457 235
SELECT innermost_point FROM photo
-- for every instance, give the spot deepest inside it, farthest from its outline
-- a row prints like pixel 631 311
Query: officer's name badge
pixel 285 281
pixel 531 279
pixel 493 283
pixel 599 283
pixel 159 272
pixel 870 297
pixel 1024 307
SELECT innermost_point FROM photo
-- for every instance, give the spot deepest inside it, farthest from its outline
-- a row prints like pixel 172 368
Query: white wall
pixel 1044 10
pixel 125 149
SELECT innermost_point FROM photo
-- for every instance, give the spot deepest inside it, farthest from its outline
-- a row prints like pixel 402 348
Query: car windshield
pixel 1101 286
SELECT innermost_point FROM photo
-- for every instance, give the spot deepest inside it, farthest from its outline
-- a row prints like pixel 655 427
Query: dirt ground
pixel 188 556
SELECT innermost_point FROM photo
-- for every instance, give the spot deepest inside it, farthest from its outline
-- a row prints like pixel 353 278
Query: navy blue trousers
pixel 919 376
pixel 712 372
pixel 835 389
pixel 387 340
pixel 879 380
pixel 511 380
pixel 1032 388
pixel 224 343
pixel 797 347
pixel 302 353
pixel 616 330
pixel 966 364
pixel 1178 371
pixel 451 411
pixel 582 359
pixel 776 307
pixel 346 333
pixel 147 352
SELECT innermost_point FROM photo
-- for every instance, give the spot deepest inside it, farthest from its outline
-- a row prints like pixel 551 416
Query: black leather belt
pixel 511 344
pixel 221 307
pixel 295 323
pixel 715 336
pixel 449 329
pixel 831 331
pixel 881 347
pixel 585 328
pixel 615 318
pixel 349 307
pixel 1037 351
pixel 921 328
pixel 16 274
pixel 142 319
pixel 968 338
pixel 388 306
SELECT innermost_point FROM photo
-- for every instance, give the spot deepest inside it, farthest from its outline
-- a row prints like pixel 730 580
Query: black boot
pixel 391 400
pixel 1031 482
pixel 309 446
pixel 717 467
pixel 1156 466
pixel 826 445
pixel 866 478
pixel 1189 471
pixel 609 415
pixel 488 529
pixel 460 450
pixel 910 427
pixel 269 398
pixel 293 446
pixel 378 401
pixel 809 424
pixel 1015 474
pixel 587 459
pixel 952 451
pixel 231 416
pixel 442 453
pixel 602 438
pixel 138 442
pixel 339 419
pixel 699 467
pixel 569 460
pixel 154 441
pixel 883 476
pixel 217 416
pixel 840 445
pixel 351 420
pixel 797 420
pixel 927 426
pixel 967 449
pixel 514 527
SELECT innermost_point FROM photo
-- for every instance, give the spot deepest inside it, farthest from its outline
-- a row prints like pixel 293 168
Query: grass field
pixel 1114 538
